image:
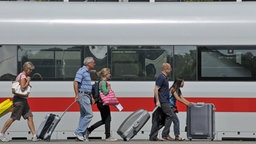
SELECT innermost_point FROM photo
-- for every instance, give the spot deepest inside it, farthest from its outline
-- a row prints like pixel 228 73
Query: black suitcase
pixel 132 124
pixel 201 121
pixel 50 122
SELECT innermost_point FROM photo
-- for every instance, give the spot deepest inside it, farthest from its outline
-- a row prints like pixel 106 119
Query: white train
pixel 211 45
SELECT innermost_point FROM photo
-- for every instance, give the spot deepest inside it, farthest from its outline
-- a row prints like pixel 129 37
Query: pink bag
pixel 109 99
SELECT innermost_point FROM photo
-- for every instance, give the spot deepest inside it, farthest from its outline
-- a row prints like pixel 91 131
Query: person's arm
pixel 75 86
pixel 24 82
pixel 185 100
pixel 156 95
pixel 181 99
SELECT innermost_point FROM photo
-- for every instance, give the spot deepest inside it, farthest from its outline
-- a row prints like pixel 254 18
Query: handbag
pixel 109 99
pixel 5 107
pixel 17 90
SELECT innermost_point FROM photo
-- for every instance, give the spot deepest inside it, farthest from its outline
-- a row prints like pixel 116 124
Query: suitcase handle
pixel 200 103
pixel 67 109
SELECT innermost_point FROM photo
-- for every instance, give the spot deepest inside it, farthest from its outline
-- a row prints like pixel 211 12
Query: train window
pixel 184 63
pixel 144 62
pixel 8 62
pixel 52 62
pixel 130 63
pixel 227 63
pixel 136 62
pixel 99 53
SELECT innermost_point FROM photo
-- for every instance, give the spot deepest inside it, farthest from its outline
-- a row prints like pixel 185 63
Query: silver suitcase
pixel 46 128
pixel 201 121
pixel 133 124
pixel 48 125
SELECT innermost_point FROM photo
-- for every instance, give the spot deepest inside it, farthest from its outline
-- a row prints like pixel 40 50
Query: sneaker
pixel 177 138
pixel 78 137
pixel 34 138
pixel 3 138
pixel 111 139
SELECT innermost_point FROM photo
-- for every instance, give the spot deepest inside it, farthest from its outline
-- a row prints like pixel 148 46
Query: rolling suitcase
pixel 201 121
pixel 5 107
pixel 132 124
pixel 50 122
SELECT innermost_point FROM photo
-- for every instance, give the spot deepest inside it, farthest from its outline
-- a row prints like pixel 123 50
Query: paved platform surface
pixel 130 142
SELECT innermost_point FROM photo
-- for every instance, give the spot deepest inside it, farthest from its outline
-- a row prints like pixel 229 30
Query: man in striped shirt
pixel 83 88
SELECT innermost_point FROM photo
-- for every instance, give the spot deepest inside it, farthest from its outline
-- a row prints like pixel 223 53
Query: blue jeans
pixel 85 114
pixel 176 123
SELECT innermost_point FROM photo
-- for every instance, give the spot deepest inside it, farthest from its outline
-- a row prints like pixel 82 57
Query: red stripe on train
pixel 54 104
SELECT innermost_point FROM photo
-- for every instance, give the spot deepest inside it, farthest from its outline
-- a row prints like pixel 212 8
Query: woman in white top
pixel 20 104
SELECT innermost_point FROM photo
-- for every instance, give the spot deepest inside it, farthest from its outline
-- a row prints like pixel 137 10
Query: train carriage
pixel 211 45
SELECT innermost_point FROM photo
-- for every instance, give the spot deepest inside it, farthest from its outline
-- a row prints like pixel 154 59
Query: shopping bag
pixel 109 99
pixel 5 107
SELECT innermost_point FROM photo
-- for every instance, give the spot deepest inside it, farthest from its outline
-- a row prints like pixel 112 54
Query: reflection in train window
pixel 136 62
pixel 52 62
pixel 185 60
pixel 131 63
pixel 227 62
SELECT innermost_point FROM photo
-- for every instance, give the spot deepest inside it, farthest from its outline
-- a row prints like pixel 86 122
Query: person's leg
pixel 156 124
pixel 27 114
pixel 107 120
pixel 166 107
pixel 99 123
pixel 31 125
pixel 16 115
pixel 107 116
pixel 7 125
pixel 94 126
pixel 4 129
pixel 85 115
pixel 176 125
pixel 154 131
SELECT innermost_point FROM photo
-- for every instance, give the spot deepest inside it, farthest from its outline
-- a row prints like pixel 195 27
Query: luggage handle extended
pixel 67 109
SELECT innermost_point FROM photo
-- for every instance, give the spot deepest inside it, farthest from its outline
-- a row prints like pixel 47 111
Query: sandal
pixel 179 139
pixel 168 138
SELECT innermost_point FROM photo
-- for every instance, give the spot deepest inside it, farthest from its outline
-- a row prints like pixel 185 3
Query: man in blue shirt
pixel 83 88
pixel 161 95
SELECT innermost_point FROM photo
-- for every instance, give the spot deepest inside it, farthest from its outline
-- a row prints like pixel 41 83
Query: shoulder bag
pixel 17 90
pixel 109 99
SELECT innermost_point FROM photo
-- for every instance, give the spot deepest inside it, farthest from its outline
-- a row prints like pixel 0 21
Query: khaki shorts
pixel 21 108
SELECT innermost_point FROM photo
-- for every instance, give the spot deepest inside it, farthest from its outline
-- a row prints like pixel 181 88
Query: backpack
pixel 95 92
